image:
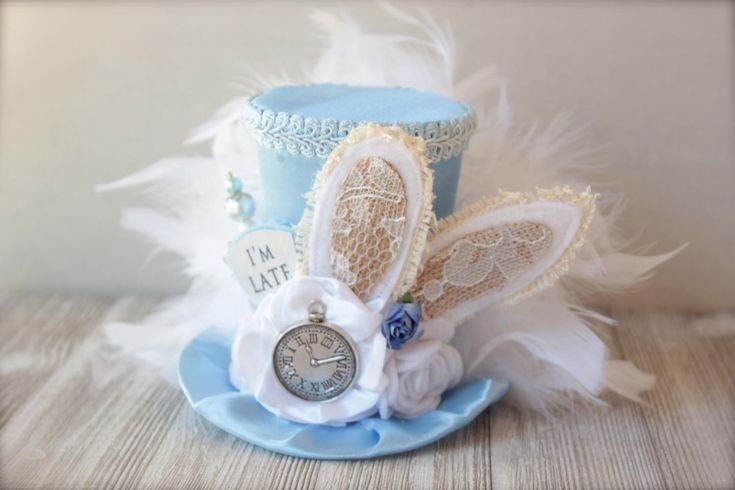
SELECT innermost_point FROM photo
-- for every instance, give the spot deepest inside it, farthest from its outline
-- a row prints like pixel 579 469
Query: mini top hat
pixel 364 323
pixel 297 127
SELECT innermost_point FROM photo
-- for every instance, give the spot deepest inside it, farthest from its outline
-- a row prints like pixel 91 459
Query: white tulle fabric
pixel 252 364
pixel 418 375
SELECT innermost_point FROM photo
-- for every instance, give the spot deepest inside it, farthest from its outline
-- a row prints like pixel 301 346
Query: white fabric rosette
pixel 252 352
pixel 418 375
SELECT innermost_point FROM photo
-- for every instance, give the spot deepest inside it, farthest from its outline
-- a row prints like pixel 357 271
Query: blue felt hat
pixel 297 127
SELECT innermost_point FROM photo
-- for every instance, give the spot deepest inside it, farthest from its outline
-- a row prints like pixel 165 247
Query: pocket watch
pixel 315 360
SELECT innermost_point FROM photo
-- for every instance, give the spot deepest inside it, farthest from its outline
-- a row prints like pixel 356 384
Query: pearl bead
pixel 241 207
pixel 232 209
pixel 233 185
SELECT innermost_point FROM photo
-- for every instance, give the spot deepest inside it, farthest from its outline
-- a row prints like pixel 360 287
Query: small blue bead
pixel 247 206
pixel 233 186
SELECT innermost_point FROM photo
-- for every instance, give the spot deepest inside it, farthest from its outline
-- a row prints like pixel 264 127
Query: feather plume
pixel 623 378
pixel 544 349
pixel 187 219
pixel 549 353
pixel 159 338
pixel 543 345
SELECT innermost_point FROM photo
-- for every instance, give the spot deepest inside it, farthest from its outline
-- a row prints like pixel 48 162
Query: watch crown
pixel 316 311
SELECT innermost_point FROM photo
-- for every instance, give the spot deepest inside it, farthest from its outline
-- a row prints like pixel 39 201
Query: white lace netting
pixel 368 223
pixel 480 262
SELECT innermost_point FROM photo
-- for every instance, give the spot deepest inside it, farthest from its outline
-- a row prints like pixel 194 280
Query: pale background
pixel 90 91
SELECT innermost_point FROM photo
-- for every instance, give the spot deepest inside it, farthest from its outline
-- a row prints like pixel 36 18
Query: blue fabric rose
pixel 401 324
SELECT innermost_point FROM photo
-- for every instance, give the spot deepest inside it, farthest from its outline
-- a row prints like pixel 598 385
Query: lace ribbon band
pixel 316 138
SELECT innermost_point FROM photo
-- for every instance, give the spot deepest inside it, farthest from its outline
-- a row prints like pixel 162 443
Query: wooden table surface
pixel 74 414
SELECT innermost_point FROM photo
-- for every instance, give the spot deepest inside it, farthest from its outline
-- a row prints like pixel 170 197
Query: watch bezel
pixel 335 328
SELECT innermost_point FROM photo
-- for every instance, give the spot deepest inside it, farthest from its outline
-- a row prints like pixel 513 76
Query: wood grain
pixel 74 414
pixel 691 420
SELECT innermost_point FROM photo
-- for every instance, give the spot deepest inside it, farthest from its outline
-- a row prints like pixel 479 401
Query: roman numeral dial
pixel 315 361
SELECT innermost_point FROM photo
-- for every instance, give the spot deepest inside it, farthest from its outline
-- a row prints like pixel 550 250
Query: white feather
pixel 545 349
pixel 383 60
pixel 187 218
pixel 424 60
pixel 543 345
pixel 623 378
pixel 224 116
pixel 159 338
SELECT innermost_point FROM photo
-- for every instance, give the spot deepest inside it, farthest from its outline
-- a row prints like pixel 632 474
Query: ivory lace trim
pixel 485 261
pixel 367 225
pixel 479 263
pixel 361 256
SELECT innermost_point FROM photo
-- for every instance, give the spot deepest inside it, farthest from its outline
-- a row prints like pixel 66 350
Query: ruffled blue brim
pixel 204 378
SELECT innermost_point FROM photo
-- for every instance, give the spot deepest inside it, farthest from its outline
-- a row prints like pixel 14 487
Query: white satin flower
pixel 438 329
pixel 418 374
pixel 253 350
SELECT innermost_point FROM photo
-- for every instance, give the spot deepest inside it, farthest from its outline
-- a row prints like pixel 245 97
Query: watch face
pixel 315 362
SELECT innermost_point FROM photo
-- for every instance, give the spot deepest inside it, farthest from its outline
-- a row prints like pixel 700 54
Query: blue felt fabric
pixel 203 375
pixel 376 104
pixel 286 177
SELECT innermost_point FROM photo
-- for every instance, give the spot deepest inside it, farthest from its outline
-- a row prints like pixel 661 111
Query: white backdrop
pixel 90 91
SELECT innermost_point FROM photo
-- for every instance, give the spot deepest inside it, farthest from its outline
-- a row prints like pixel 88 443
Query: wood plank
pixel 39 333
pixel 589 447
pixel 691 420
pixel 65 411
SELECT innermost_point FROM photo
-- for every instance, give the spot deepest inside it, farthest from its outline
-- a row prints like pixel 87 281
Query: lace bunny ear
pixel 501 250
pixel 369 214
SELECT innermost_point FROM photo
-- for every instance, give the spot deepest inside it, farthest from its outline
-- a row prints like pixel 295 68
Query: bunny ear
pixel 501 250
pixel 369 214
